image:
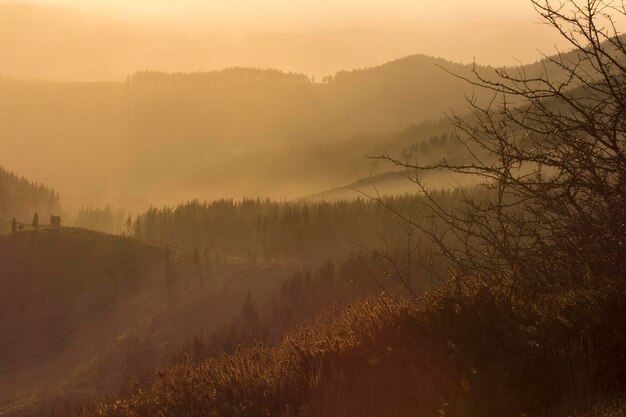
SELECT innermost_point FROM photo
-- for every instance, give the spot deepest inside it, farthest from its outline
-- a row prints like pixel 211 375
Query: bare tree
pixel 550 150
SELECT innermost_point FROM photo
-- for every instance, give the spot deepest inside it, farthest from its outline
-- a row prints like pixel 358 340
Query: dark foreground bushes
pixel 521 353
pixel 476 348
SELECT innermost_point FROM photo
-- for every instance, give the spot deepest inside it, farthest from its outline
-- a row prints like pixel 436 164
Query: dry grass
pixel 474 349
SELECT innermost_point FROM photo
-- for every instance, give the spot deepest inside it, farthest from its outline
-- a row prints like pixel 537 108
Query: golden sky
pixel 495 32
pixel 289 15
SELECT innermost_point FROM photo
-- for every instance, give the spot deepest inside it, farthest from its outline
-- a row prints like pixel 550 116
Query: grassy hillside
pixel 76 306
pixel 55 284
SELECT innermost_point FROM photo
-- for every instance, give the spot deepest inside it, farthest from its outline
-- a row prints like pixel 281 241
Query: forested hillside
pixel 21 198
pixel 239 132
pixel 214 128
pixel 267 229
pixel 118 167
pixel 279 107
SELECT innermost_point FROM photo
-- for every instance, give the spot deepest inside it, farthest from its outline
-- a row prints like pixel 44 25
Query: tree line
pixel 158 79
pixel 268 229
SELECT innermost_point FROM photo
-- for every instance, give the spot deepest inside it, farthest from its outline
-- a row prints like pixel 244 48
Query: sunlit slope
pixel 391 183
pixel 75 305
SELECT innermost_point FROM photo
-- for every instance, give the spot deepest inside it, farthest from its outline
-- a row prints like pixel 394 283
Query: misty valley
pixel 390 234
